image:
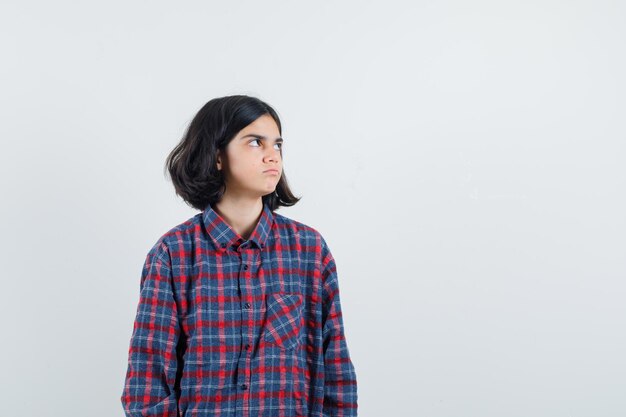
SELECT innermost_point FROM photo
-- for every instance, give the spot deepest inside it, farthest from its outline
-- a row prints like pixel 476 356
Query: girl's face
pixel 249 156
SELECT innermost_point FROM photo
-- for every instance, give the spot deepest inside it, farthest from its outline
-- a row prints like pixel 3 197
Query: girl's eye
pixel 279 144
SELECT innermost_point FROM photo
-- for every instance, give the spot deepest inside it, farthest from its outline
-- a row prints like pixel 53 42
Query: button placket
pixel 247 305
pixel 248 318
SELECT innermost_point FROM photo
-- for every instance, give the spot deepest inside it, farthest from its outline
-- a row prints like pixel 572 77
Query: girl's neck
pixel 241 214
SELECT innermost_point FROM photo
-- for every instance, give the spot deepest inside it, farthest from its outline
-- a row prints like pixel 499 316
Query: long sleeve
pixel 149 389
pixel 340 385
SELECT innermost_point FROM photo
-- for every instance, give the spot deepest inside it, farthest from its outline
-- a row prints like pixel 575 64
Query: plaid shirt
pixel 241 328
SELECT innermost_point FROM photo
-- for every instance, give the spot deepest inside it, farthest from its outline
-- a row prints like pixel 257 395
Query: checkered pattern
pixel 239 328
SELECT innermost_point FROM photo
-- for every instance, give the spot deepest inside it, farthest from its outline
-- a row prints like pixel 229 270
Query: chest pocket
pixel 284 320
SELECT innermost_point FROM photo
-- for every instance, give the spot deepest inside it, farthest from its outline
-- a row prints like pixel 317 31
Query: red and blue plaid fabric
pixel 239 328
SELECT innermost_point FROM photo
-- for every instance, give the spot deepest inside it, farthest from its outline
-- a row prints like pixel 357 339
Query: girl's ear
pixel 219 160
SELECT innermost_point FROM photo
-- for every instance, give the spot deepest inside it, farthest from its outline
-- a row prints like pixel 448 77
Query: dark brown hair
pixel 192 163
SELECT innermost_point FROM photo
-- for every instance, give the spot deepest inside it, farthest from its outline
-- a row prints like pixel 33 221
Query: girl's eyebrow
pixel 254 135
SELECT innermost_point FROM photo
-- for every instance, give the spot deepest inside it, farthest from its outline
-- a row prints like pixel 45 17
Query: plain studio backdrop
pixel 464 161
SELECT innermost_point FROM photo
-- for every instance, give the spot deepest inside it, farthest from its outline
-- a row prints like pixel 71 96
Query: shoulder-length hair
pixel 192 164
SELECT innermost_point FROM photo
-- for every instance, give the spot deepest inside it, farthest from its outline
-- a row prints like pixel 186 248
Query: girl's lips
pixel 271 171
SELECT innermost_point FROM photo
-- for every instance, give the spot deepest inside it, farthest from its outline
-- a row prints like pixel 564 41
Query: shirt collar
pixel 224 236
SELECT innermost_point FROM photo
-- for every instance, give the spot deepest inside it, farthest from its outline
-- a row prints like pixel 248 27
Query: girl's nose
pixel 273 155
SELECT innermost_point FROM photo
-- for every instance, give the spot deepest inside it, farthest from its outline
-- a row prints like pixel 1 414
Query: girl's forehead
pixel 266 132
pixel 265 123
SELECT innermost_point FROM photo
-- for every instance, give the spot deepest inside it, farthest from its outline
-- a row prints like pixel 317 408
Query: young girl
pixel 239 311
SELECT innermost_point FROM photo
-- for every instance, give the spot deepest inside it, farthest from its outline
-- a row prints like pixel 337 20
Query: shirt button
pixel 223 245
pixel 247 305
pixel 247 345
pixel 245 267
pixel 244 386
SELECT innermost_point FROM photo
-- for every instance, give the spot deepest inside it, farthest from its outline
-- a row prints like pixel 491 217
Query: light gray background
pixel 464 161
